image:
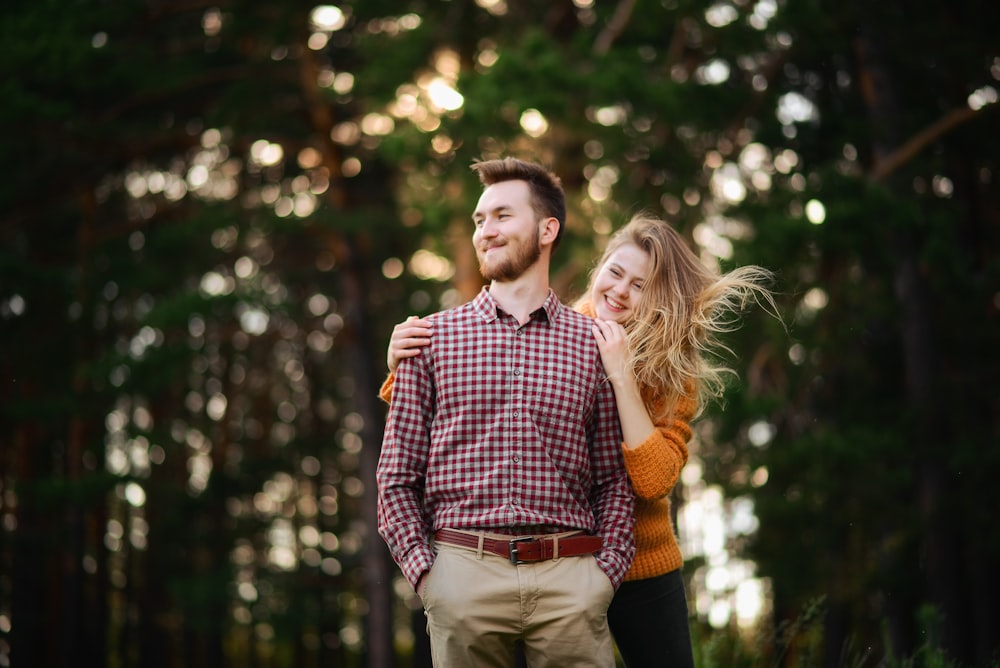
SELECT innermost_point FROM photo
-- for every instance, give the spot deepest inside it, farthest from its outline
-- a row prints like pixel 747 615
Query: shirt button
pixel 517 413
pixel 519 332
pixel 516 459
pixel 516 372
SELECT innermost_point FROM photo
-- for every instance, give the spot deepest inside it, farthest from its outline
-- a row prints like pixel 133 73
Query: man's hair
pixel 547 196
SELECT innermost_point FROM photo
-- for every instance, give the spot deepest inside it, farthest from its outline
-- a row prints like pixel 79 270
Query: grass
pixel 800 643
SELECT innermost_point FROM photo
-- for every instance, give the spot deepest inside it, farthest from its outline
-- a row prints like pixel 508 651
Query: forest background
pixel 213 213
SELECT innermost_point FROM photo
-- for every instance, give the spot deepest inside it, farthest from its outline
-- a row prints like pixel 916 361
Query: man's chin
pixel 495 275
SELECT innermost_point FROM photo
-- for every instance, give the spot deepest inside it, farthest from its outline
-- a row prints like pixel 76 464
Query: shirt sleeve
pixel 611 497
pixel 402 468
pixel 655 465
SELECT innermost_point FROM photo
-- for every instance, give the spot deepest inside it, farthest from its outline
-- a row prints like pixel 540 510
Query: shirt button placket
pixel 517 401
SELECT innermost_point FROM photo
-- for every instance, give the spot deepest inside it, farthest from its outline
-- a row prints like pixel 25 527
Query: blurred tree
pixel 891 155
pixel 834 144
pixel 867 467
pixel 188 268
pixel 214 213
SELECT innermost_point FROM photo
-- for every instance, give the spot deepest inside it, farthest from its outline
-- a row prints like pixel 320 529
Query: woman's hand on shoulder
pixel 408 337
pixel 613 345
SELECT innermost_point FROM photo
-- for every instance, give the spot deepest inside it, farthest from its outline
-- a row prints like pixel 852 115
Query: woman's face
pixel 617 287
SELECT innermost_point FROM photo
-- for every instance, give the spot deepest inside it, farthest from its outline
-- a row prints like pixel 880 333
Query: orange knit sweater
pixel 653 469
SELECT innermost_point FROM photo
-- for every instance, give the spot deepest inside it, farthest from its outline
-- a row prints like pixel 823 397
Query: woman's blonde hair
pixel 673 338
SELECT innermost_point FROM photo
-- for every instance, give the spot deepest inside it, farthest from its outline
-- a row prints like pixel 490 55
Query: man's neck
pixel 524 295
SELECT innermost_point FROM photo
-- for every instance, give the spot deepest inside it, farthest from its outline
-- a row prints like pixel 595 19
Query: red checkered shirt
pixel 501 427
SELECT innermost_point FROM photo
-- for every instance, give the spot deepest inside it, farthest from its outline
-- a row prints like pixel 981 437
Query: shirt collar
pixel 487 307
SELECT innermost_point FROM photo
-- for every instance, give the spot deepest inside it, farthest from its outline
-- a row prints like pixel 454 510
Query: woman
pixel 657 314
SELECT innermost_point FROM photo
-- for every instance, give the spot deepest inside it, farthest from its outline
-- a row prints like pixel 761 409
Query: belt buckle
pixel 513 549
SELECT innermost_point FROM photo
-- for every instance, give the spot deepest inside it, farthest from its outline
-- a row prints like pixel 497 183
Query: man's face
pixel 507 237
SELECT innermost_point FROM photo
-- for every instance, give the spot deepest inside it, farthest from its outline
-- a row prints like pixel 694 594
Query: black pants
pixel 649 620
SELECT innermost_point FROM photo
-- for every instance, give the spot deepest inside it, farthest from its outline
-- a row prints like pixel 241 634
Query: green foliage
pixel 174 325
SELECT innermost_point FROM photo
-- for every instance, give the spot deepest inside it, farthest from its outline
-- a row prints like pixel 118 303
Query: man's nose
pixel 488 228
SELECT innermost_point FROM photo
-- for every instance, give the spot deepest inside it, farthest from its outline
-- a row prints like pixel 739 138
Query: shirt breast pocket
pixel 561 416
pixel 556 401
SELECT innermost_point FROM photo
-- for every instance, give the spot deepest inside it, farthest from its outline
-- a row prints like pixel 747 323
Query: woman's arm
pixel 637 426
pixel 655 452
pixel 654 466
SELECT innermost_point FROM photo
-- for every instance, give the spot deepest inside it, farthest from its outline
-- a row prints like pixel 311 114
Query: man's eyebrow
pixel 479 213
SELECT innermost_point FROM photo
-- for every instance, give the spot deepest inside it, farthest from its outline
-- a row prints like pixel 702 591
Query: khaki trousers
pixel 478 605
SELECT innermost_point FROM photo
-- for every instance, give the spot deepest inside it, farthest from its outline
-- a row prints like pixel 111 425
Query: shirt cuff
pixel 614 566
pixel 416 563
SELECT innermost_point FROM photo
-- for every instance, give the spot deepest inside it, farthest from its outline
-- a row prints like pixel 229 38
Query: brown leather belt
pixel 524 550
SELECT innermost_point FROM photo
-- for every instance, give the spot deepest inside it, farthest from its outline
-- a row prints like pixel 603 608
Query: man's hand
pixel 422 585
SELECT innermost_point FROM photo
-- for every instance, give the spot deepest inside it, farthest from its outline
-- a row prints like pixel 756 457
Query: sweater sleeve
pixel 385 392
pixel 656 464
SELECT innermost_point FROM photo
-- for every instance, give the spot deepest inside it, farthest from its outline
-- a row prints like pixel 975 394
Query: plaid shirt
pixel 507 428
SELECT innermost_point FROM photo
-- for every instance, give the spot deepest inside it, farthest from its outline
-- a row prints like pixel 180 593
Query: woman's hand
pixel 636 423
pixel 613 344
pixel 407 339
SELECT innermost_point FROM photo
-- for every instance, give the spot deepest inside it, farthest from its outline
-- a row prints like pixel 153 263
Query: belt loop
pixel 479 549
pixel 555 547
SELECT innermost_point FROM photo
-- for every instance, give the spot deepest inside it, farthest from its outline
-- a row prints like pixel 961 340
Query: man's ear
pixel 550 230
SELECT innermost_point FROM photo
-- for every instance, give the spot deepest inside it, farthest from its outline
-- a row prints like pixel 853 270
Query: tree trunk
pixel 30 635
pixel 939 540
pixel 378 578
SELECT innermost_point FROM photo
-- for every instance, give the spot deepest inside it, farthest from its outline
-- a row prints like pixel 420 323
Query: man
pixel 502 492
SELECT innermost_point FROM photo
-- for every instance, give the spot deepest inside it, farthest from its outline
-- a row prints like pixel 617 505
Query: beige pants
pixel 477 606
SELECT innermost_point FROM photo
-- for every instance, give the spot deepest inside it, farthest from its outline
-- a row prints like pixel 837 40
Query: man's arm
pixel 611 496
pixel 402 467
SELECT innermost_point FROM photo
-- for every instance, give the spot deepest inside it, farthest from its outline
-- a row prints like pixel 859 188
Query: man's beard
pixel 521 257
